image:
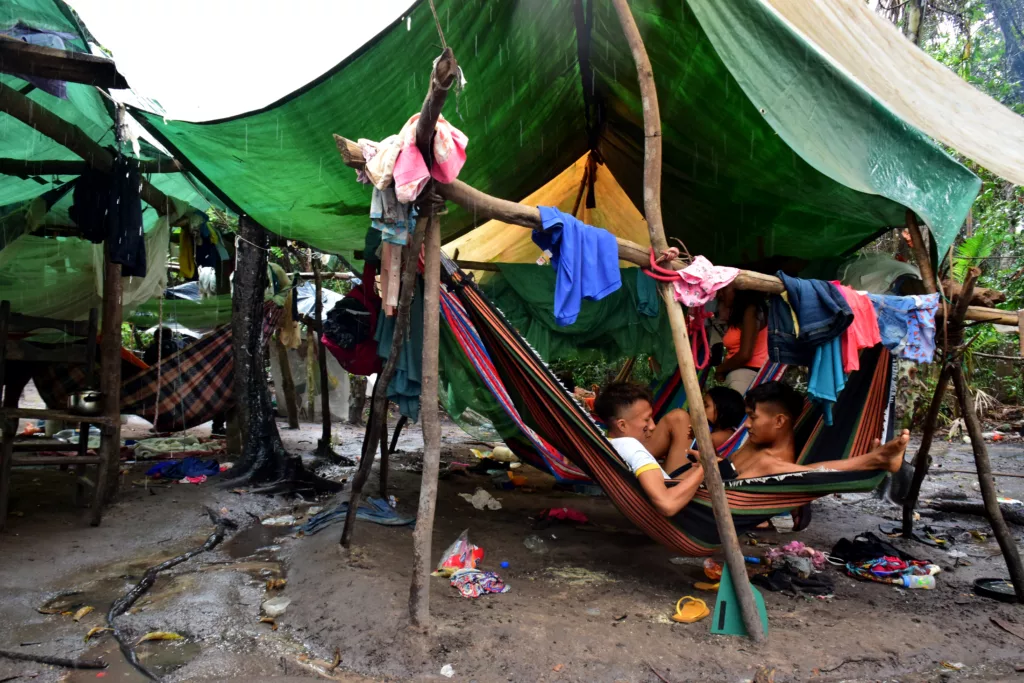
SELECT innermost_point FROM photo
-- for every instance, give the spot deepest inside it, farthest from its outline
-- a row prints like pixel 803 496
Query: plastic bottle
pixel 914 581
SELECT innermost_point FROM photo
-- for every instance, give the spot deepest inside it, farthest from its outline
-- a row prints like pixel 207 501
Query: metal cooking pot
pixel 86 403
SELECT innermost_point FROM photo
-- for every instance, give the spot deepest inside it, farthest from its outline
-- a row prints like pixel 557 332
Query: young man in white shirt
pixel 626 410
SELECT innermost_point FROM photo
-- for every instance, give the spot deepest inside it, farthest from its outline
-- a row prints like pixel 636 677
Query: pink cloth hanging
pixel 698 282
pixel 863 333
pixel 411 173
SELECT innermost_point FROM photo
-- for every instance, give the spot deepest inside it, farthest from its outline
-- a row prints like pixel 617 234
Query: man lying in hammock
pixel 772 410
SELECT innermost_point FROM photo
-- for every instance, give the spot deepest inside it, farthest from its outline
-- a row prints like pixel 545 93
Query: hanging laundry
pixel 380 159
pixel 646 294
pixel 43 38
pixel 907 324
pixel 863 332
pixel 827 378
pixel 813 312
pixel 394 220
pixel 350 327
pixel 699 281
pixel 186 254
pixel 585 258
pixel 410 169
pixel 404 388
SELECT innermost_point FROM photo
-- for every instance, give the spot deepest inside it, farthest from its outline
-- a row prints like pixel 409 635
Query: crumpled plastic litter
pixel 460 555
pixel 482 500
pixel 473 583
pixel 802 559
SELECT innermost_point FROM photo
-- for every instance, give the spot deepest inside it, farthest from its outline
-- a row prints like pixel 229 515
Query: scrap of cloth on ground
pixel 585 258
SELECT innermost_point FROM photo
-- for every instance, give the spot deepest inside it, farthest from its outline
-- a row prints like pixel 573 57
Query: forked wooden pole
pixel 924 261
pixel 922 461
pixel 687 370
pixel 419 591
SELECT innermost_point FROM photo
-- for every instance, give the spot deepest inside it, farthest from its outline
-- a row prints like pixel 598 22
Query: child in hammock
pixel 725 410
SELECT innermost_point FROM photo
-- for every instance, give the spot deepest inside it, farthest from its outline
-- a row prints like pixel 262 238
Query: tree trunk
pixel 1010 17
pixel 263 456
pixel 356 399
pixel 913 15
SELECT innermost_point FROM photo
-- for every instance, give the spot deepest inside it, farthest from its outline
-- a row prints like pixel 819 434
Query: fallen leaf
pixel 96 630
pixel 159 635
pixel 269 620
pixel 224 512
pixel 955 666
pixel 558 667
pixel 1012 629
pixel 82 612
pixel 276 584
pixel 337 660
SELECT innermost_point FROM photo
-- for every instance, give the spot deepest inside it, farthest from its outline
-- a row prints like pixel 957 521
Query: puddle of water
pixel 254 539
pixel 159 657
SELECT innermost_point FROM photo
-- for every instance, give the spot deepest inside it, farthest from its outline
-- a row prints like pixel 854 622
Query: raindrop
pixel 408 23
pixel 499 55
pixel 520 132
pixel 751 144
pixel 476 49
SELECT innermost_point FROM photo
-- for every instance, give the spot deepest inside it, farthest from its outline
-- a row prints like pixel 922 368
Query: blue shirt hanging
pixel 585 258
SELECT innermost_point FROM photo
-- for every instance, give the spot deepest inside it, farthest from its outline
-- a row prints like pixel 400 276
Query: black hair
pixel 786 398
pixel 616 397
pixel 744 299
pixel 729 406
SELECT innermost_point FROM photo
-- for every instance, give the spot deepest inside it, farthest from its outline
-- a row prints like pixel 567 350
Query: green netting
pixel 822 169
pixel 204 314
pixel 465 397
pixel 607 329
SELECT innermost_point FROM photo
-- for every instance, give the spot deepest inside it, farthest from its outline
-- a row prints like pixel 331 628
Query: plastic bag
pixel 460 555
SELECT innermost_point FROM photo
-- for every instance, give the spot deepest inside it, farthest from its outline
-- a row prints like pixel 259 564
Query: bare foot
pixel 892 452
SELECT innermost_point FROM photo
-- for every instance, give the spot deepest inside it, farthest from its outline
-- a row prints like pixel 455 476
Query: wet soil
pixel 593 606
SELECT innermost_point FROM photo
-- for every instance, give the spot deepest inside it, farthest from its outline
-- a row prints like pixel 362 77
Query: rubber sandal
pixel 801 517
pixel 694 610
pixel 705 586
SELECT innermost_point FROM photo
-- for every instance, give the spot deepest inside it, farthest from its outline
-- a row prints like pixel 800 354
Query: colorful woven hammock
pixel 864 412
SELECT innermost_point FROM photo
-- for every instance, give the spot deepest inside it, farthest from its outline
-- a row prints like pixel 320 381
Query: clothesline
pixel 487 207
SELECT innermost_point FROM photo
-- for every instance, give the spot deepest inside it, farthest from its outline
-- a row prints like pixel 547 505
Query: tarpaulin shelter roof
pixel 85 107
pixel 772 146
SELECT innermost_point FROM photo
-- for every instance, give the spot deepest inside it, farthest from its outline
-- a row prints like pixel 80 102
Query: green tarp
pixel 606 330
pixel 769 149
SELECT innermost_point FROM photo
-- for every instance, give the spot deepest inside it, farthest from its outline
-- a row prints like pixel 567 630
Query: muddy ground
pixel 593 606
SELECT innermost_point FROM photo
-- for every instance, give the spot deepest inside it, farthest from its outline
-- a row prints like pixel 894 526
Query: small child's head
pixel 724 407
pixel 625 407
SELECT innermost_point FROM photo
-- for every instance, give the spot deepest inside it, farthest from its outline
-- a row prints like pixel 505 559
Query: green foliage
pixel 972 250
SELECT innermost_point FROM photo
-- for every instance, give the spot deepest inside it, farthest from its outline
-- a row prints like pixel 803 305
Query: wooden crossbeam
pixel 21 59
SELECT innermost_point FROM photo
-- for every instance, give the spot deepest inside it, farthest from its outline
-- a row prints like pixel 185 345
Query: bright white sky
pixel 206 59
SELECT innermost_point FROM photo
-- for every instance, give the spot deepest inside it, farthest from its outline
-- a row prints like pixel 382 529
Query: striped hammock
pixel 864 411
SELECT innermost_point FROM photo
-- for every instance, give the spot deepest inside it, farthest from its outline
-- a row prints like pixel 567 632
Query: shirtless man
pixel 772 408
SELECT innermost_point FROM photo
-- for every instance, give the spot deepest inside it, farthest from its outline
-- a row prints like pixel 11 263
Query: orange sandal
pixel 694 610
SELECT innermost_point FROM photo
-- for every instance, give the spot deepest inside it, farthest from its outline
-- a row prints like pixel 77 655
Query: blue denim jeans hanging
pixel 907 324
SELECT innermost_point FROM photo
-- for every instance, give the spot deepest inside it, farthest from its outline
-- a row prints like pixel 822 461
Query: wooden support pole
pixel 110 391
pixel 380 390
pixel 57 129
pixel 325 397
pixel 924 261
pixel 1020 330
pixel 922 460
pixel 288 384
pixel 419 591
pixel 988 485
pixel 677 322
pixel 486 207
pixel 442 78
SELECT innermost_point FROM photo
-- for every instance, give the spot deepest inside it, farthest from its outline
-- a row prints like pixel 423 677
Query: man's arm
pixel 671 499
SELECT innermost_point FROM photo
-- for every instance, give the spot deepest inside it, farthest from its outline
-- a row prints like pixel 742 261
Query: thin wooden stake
pixel 288 383
pixel 419 591
pixel 325 398
pixel 988 484
pixel 380 389
pixel 687 370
